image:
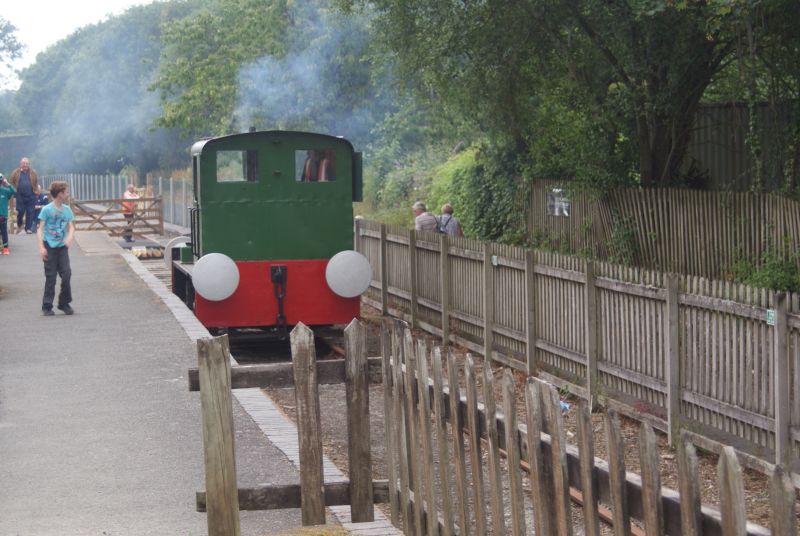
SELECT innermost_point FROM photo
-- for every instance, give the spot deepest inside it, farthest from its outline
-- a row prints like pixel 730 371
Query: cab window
pixel 237 166
pixel 315 165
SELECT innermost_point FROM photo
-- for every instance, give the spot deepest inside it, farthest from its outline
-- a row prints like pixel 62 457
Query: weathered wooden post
pixel 488 302
pixel 384 272
pixel 412 272
pixel 782 500
pixel 651 480
pixel 444 285
pixel 672 347
pixel 616 474
pixel 590 318
pixel 691 513
pixel 588 484
pixel 222 501
pixel 731 493
pixel 783 437
pixel 358 432
pixel 390 420
pixel 512 448
pixel 530 305
pixel 308 426
pixel 540 487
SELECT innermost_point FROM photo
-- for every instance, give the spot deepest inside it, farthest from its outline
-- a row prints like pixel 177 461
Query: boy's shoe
pixel 48 312
pixel 66 309
pixel 5 251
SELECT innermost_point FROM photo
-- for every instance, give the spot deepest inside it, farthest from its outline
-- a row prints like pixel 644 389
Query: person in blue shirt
pixel 55 236
pixel 41 202
pixel 6 192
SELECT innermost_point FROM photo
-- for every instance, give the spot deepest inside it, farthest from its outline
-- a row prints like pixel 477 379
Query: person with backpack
pixel 449 224
pixel 424 220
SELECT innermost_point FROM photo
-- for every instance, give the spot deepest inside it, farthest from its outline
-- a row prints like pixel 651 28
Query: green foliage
pixel 599 91
pixel 775 270
pixel 491 196
pixel 202 54
pixel 10 47
pixel 623 246
pixel 86 97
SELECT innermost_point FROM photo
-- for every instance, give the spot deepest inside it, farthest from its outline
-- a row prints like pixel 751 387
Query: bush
pixel 774 271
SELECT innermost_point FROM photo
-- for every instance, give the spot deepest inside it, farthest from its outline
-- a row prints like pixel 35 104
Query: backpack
pixel 442 227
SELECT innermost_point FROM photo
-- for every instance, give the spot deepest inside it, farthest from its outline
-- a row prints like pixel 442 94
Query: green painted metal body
pixel 272 216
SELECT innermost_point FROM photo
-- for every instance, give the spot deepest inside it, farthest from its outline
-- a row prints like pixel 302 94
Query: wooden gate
pixel 107 215
pixel 215 378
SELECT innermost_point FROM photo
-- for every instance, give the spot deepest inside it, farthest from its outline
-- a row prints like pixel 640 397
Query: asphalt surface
pixel 98 431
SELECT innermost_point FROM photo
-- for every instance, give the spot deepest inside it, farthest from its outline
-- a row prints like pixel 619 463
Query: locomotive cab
pixel 271 210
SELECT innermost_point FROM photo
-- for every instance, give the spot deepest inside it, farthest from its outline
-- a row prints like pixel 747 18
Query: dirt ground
pixel 334 432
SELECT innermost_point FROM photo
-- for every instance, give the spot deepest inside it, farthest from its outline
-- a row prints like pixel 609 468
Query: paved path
pixel 98 432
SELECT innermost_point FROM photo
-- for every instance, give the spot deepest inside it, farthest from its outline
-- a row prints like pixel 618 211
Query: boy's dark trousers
pixel 57 263
pixel 3 231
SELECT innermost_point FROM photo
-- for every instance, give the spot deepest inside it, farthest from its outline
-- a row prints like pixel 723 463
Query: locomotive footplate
pixel 278 273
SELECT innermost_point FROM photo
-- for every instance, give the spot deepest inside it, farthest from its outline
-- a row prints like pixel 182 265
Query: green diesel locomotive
pixel 272 232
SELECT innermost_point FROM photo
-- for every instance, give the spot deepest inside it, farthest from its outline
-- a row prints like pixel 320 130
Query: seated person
pixel 327 167
pixel 310 167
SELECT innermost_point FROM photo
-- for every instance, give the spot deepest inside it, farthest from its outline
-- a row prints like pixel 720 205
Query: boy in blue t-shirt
pixel 55 237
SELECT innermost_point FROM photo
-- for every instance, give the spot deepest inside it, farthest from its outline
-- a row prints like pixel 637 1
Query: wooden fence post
pixel 222 500
pixel 651 480
pixel 412 261
pixel 390 420
pixel 782 500
pixel 474 442
pixel 358 432
pixel 444 285
pixel 616 474
pixel 357 239
pixel 312 497
pixel 691 513
pixel 672 347
pixel 384 272
pixel 588 484
pixel 783 438
pixel 530 305
pixel 512 448
pixel 590 316
pixel 488 302
pixel 172 203
pixel 448 526
pixel 731 493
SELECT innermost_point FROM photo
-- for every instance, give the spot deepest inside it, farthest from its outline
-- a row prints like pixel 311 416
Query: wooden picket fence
pixel 695 232
pixel 442 478
pixel 215 378
pixel 718 360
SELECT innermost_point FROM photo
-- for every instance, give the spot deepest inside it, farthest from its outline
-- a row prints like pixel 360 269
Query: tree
pixel 269 64
pixel 86 97
pixel 10 47
pixel 631 73
pixel 201 57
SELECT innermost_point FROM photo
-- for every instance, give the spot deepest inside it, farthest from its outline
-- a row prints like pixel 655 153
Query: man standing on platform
pixel 25 180
pixel 55 236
